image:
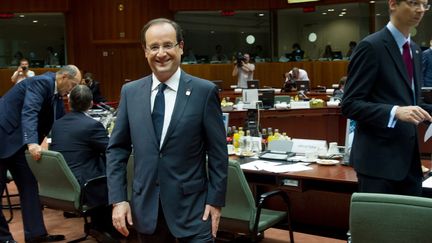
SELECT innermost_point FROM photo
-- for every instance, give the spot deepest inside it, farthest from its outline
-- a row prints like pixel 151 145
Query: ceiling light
pixel 35 21
pixel 371 1
pixel 324 13
pixel 378 14
pixel 344 9
pixel 21 15
pixel 341 15
pixel 330 9
pixel 261 15
pixel 343 12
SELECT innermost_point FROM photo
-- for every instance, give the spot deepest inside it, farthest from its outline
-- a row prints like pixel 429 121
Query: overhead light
pixel 261 15
pixel 378 14
pixel 212 31
pixel 35 21
pixel 324 13
pixel 371 1
pixel 343 12
pixel 21 15
pixel 344 9
pixel 330 9
pixel 341 15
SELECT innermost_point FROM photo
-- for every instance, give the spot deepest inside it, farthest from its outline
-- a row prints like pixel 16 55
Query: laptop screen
pixel 267 97
pixel 253 84
pixel 302 85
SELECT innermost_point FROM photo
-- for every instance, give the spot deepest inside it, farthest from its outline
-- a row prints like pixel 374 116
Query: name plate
pixel 304 146
pixel 300 104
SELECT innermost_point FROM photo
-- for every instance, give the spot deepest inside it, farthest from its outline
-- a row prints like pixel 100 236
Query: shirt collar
pixel 172 82
pixel 397 35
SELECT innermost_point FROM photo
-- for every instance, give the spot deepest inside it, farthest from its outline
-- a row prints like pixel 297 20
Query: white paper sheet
pixel 275 167
pixel 428 133
pixel 428 182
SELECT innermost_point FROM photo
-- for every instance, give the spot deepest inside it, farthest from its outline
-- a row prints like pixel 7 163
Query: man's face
pixel 24 64
pixel 65 84
pixel 247 58
pixel 296 74
pixel 162 51
pixel 405 13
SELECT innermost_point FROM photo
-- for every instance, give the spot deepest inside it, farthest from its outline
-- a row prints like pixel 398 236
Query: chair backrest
pixel 390 218
pixel 58 187
pixel 282 98
pixel 240 203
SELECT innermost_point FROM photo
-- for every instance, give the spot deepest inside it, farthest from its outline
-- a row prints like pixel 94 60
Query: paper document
pixel 427 183
pixel 428 132
pixel 275 167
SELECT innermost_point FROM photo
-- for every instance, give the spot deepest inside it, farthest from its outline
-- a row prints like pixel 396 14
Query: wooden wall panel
pixel 34 5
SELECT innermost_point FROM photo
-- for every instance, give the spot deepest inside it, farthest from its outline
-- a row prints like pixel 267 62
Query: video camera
pixel 240 59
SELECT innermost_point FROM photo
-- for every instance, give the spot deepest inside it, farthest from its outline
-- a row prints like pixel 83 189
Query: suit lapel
pixel 143 102
pixel 396 56
pixel 183 93
pixel 416 53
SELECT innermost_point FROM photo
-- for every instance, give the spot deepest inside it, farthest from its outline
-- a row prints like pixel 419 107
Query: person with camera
pixel 243 70
pixel 22 72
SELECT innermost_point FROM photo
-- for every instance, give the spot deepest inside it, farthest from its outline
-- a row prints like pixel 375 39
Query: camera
pixel 24 68
pixel 240 58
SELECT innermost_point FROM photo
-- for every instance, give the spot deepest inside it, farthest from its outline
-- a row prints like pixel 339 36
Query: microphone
pixel 106 107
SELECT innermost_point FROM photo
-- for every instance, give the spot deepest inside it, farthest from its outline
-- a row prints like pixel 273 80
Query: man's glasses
pixel 165 47
pixel 417 4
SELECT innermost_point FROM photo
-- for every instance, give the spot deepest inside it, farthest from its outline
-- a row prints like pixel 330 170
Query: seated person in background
pixel 22 72
pixel 328 52
pixel 352 45
pixel 297 52
pixel 82 141
pixel 94 87
pixel 219 56
pixel 338 93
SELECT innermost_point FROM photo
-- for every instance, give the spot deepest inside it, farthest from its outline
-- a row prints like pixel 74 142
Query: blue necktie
pixel 159 111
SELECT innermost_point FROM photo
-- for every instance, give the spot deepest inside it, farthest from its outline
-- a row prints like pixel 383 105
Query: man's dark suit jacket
pixel 378 80
pixel 26 106
pixel 176 174
pixel 82 141
pixel 427 68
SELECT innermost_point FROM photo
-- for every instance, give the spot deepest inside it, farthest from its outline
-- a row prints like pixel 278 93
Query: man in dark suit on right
pixel 427 66
pixel 383 96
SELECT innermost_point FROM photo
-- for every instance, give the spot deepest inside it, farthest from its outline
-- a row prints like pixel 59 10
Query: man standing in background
pixel 382 95
pixel 243 70
pixel 27 112
pixel 22 72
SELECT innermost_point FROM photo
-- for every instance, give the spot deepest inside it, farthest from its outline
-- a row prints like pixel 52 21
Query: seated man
pixel 294 75
pixel 94 87
pixel 82 141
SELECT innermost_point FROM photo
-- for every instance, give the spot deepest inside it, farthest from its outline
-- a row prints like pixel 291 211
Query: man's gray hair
pixel 70 70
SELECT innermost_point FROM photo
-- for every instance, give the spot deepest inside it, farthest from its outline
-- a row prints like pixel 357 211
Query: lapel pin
pixel 188 92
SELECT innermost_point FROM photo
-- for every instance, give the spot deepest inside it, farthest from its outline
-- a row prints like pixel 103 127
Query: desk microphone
pixel 106 107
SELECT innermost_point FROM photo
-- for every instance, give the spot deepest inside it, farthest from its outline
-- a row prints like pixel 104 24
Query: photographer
pixel 22 72
pixel 243 70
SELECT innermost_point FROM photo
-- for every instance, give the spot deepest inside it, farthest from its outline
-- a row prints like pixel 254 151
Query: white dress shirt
pixel 170 95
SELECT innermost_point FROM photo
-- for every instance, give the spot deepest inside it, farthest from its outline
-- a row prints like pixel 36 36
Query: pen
pixel 256 167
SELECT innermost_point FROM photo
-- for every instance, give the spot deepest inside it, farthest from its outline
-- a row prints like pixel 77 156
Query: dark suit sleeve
pixel 98 137
pixel 34 99
pixel 118 152
pixel 362 77
pixel 216 150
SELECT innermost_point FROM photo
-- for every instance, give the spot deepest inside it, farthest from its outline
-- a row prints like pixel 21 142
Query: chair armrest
pixel 263 198
pixel 94 192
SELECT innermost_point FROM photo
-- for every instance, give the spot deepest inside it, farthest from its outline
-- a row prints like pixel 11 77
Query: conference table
pixel 320 198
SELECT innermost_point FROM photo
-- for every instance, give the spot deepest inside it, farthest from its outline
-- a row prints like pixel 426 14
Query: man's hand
pixel 412 114
pixel 35 150
pixel 120 213
pixel 215 213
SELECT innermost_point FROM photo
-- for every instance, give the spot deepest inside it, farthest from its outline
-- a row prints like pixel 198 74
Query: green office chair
pixel 241 215
pixel 282 98
pixel 390 218
pixel 59 189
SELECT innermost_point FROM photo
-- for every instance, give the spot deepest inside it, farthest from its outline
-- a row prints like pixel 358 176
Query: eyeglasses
pixel 417 4
pixel 165 47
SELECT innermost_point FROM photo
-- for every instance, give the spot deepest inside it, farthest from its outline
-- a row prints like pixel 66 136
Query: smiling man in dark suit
pixel 27 112
pixel 382 95
pixel 174 123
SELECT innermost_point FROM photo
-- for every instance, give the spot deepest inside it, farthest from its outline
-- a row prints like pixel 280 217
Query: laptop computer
pixel 302 85
pixel 337 55
pixel 267 97
pixel 252 84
